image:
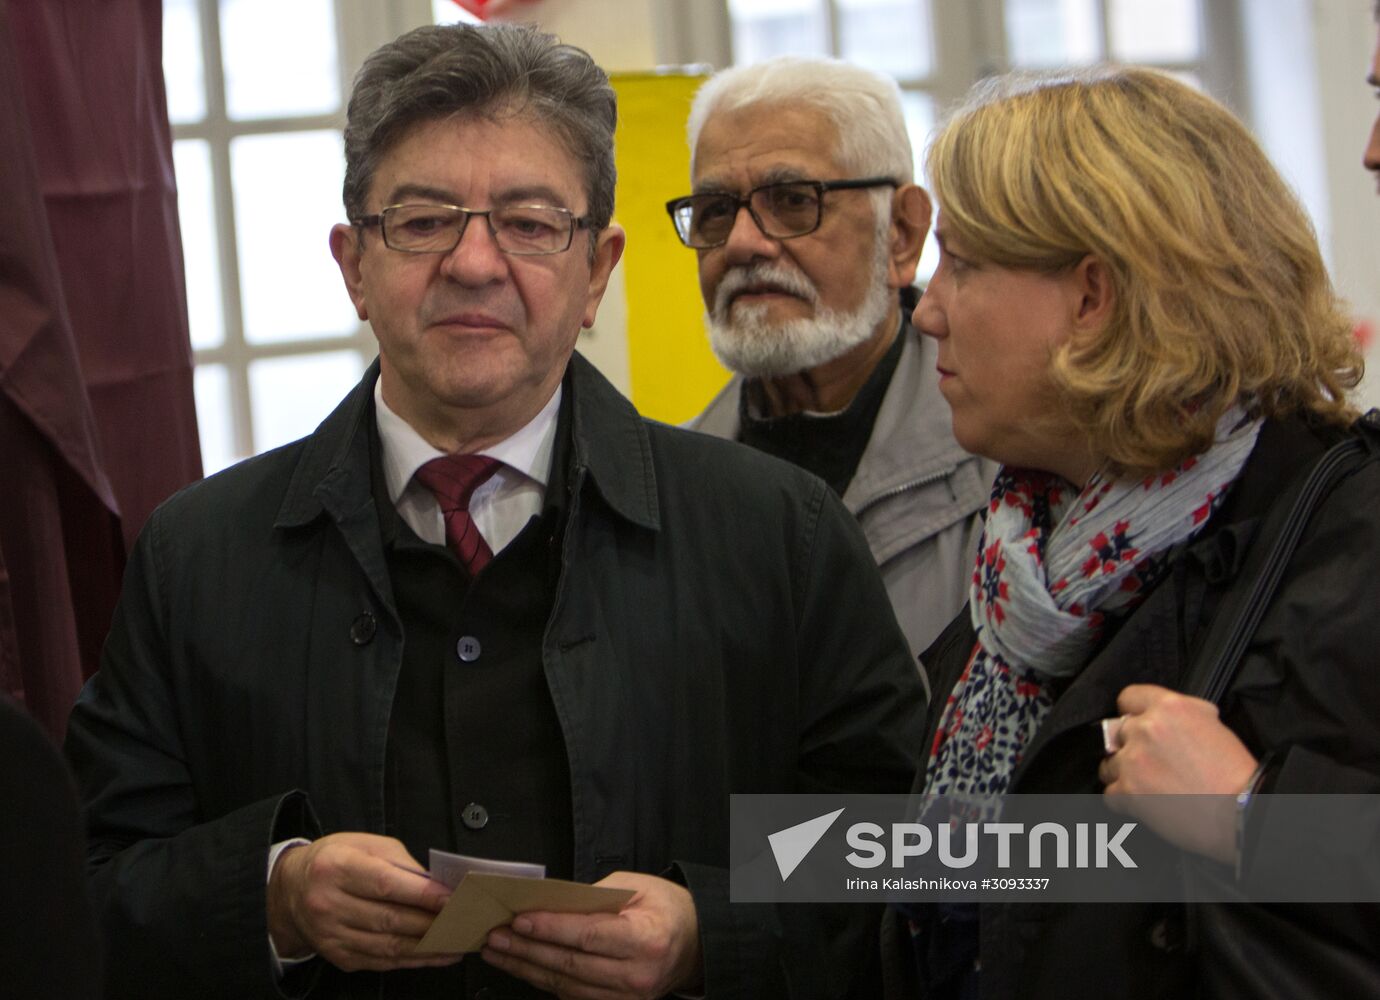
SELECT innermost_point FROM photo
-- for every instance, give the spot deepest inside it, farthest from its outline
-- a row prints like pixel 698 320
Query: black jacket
pixel 718 627
pixel 49 949
pixel 1307 691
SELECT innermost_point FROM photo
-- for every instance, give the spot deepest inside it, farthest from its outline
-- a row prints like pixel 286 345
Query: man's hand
pixel 649 949
pixel 1172 744
pixel 345 898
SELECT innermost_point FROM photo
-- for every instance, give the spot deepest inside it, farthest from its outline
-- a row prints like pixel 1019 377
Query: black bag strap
pixel 1243 604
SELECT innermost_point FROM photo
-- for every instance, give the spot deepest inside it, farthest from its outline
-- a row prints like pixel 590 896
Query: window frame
pixel 971 43
pixel 360 26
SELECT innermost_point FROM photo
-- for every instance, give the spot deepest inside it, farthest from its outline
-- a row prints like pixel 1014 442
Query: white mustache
pixel 781 279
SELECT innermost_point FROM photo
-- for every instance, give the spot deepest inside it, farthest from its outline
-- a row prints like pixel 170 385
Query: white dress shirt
pixel 501 506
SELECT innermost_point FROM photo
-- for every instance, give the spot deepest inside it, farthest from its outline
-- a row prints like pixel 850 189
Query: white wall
pixel 1345 42
pixel 1307 62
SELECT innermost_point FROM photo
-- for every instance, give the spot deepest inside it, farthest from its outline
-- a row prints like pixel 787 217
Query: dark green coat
pixel 719 627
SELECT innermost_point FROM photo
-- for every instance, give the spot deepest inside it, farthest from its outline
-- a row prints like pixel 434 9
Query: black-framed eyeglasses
pixel 782 211
pixel 522 230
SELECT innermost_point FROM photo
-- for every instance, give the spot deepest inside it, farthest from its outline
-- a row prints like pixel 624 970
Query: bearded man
pixel 808 228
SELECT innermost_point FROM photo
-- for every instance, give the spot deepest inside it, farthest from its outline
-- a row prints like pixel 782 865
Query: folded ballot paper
pixel 488 894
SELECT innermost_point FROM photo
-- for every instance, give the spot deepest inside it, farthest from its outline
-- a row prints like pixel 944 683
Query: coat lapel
pixel 1146 649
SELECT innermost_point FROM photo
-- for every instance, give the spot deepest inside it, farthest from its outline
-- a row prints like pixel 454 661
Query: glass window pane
pixel 766 28
pixel 214 417
pixel 1052 32
pixel 1154 30
pixel 183 74
pixel 450 12
pixel 200 255
pixel 892 36
pixel 280 58
pixel 289 396
pixel 287 197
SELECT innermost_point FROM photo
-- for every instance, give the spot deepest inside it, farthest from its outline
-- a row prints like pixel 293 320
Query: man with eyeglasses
pixel 485 608
pixel 808 231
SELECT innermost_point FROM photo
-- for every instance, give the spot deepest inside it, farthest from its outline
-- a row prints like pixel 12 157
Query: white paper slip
pixel 449 869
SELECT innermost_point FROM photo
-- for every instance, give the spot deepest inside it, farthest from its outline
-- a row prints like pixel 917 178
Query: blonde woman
pixel 1133 317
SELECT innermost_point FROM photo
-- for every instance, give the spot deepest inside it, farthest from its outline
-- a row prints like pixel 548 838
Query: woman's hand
pixel 1168 743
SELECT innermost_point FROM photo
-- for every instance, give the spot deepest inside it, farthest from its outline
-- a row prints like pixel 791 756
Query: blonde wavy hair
pixel 1221 296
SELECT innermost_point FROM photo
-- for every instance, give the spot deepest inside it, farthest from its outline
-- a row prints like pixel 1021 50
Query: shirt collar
pixel 528 451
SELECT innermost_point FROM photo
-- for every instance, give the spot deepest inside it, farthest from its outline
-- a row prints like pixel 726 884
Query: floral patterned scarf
pixel 1054 565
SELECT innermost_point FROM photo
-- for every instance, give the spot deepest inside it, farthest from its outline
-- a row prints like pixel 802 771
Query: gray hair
pixel 437 71
pixel 864 106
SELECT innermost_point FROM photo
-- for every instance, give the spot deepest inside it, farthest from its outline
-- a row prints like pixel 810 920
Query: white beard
pixel 747 342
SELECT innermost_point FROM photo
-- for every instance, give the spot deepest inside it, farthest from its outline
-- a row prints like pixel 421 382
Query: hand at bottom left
pixel 358 900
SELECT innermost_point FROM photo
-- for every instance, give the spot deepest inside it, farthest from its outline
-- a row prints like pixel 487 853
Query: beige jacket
pixel 917 494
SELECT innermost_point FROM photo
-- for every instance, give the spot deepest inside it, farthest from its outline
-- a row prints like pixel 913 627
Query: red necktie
pixel 453 480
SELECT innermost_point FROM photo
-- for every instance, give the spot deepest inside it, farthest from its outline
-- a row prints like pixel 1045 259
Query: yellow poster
pixel 671 372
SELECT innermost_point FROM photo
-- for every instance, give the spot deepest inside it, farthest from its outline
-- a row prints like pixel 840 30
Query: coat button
pixel 468 648
pixel 475 816
pixel 1166 935
pixel 362 629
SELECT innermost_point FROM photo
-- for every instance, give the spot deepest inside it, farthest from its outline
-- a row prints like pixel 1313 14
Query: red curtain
pixel 97 417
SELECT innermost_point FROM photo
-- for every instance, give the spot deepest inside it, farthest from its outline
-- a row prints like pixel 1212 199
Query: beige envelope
pixel 482 902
